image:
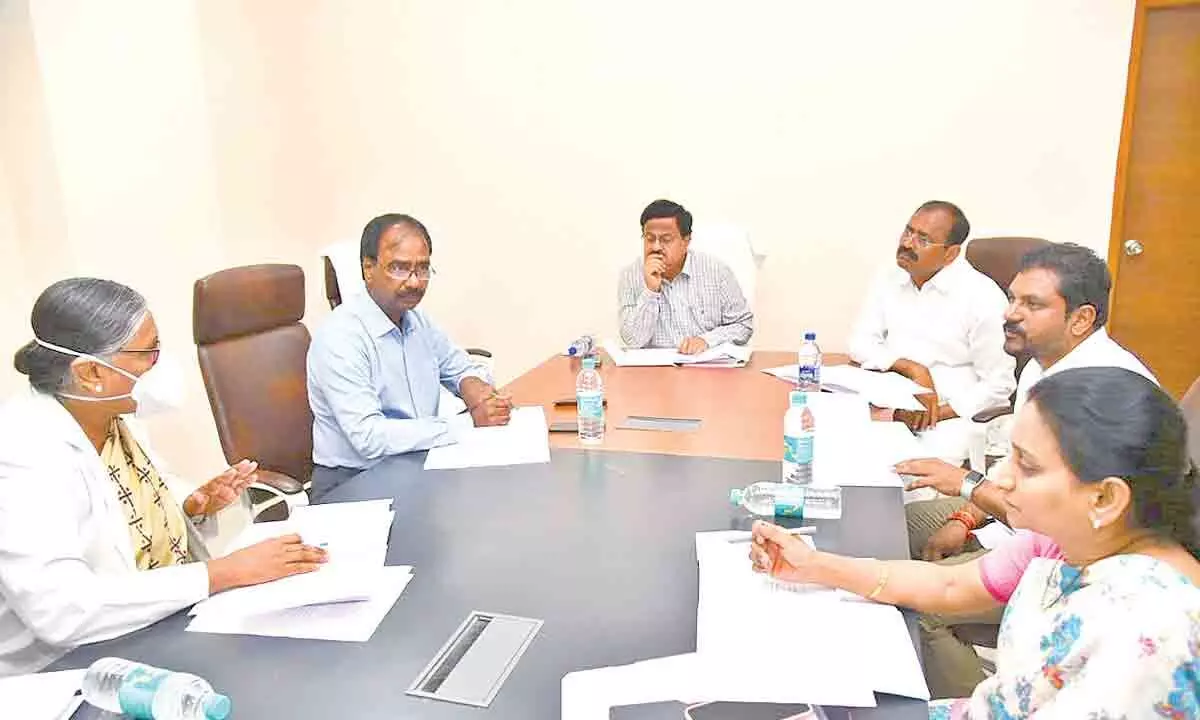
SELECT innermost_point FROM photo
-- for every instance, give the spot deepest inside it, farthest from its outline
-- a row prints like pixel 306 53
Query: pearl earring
pixel 1095 523
pixel 99 388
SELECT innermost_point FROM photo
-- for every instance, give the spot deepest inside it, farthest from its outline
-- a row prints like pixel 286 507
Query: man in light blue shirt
pixel 376 365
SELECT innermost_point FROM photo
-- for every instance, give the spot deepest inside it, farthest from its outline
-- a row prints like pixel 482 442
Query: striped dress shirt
pixel 704 300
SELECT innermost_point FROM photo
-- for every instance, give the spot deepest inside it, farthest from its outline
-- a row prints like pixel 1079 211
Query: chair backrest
pixel 252 349
pixel 332 293
pixel 343 272
pixel 999 257
pixel 1191 412
pixel 731 245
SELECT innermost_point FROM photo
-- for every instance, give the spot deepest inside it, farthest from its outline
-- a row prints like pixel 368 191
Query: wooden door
pixel 1154 250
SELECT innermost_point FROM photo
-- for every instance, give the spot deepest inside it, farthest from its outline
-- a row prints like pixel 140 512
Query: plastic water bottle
pixel 589 398
pixel 810 364
pixel 144 692
pixel 779 499
pixel 584 346
pixel 799 431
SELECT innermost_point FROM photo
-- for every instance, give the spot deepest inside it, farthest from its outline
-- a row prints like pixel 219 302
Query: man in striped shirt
pixel 679 298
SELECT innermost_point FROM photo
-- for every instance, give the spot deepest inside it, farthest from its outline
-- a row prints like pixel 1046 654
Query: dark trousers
pixel 325 479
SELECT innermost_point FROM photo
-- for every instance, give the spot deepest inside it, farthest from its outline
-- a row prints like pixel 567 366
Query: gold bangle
pixel 883 580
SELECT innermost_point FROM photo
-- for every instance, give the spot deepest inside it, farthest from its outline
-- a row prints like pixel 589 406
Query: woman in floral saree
pixel 1100 582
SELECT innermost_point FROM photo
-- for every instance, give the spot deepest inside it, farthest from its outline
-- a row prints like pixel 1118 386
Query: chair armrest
pixel 278 482
pixel 986 416
pixel 479 352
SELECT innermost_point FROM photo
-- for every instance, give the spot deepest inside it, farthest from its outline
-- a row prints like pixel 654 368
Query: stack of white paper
pixel 758 643
pixel 525 439
pixel 882 389
pixel 44 696
pixel 724 355
pixel 738 608
pixel 890 390
pixel 345 599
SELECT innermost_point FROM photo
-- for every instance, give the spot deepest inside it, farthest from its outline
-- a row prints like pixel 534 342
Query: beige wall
pixel 154 141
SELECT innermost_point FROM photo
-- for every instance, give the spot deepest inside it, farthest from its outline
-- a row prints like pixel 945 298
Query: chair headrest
pixel 246 300
pixel 999 257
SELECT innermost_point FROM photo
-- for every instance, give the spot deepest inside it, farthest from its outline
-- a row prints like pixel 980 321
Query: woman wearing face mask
pixel 92 543
pixel 1103 609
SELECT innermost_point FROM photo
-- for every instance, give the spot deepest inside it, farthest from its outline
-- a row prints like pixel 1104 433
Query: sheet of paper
pixel 791 373
pixel 888 659
pixel 525 439
pixel 331 584
pixel 726 354
pixel 893 442
pixel 44 696
pixel 738 607
pixel 697 677
pixel 852 450
pixel 352 533
pixel 345 622
pixel 992 534
pixel 881 389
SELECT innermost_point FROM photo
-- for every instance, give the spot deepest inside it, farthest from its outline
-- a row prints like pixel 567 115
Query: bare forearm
pixel 925 587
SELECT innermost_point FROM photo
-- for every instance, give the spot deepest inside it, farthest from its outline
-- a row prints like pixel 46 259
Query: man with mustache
pixel 937 321
pixel 375 365
pixel 1058 304
pixel 679 298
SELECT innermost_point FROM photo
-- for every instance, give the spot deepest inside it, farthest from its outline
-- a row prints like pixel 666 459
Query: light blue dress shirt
pixel 373 386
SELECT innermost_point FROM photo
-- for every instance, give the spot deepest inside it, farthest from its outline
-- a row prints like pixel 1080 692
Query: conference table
pixel 599 543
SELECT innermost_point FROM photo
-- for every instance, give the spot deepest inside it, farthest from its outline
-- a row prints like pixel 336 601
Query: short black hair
pixel 667 209
pixel 1083 278
pixel 961 227
pixel 369 247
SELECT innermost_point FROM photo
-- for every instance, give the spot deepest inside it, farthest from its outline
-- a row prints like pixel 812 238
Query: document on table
pixel 882 389
pixel 724 355
pixel 355 536
pixel 738 607
pixel 864 457
pixel 344 621
pixel 525 439
pixel 43 696
pixel 352 533
pixel 696 677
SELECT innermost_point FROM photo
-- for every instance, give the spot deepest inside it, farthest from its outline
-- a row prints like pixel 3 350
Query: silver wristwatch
pixel 969 483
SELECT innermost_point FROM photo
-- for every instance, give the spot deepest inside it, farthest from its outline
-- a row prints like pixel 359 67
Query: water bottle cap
pixel 572 351
pixel 735 496
pixel 810 335
pixel 217 707
pixel 798 398
pixel 589 363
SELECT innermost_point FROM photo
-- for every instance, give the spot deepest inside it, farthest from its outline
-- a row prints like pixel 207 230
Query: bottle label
pixel 136 694
pixel 798 449
pixel 591 404
pixel 809 374
pixel 789 501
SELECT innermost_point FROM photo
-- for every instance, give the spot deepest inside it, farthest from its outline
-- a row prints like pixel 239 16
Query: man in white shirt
pixel 937 321
pixel 1058 303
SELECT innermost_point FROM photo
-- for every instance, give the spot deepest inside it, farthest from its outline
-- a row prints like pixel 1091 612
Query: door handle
pixel 1133 248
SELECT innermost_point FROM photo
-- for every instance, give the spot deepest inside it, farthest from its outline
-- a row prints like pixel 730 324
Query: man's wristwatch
pixel 969 483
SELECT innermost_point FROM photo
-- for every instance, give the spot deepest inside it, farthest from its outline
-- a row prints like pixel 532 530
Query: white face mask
pixel 158 390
